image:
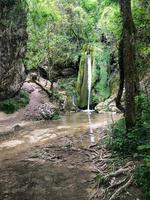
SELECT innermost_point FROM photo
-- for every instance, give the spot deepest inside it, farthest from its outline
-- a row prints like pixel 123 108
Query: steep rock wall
pixel 13 38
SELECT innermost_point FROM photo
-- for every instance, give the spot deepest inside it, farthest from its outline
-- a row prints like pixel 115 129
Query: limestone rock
pixel 28 87
pixel 13 38
pixel 107 106
pixel 48 111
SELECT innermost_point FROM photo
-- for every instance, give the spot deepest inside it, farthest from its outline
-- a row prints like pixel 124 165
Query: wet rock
pixel 17 127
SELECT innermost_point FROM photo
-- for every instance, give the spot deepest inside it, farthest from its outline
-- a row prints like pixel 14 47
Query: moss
pixel 81 87
pixel 13 104
pixel 82 92
pixel 101 86
pixel 100 76
pixel 114 84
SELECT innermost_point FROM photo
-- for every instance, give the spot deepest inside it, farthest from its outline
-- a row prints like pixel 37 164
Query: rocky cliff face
pixel 13 39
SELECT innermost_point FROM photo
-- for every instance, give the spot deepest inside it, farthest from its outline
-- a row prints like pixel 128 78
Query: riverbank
pixel 62 159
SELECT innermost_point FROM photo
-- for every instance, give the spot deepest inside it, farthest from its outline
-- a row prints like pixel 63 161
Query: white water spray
pixel 89 80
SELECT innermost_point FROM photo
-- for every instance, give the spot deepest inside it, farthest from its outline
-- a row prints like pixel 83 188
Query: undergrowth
pixel 15 103
pixel 136 143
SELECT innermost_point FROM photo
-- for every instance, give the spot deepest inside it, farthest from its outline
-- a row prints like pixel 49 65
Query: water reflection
pixel 92 136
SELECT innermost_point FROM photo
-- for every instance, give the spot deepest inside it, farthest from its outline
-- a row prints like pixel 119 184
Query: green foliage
pixel 136 142
pixel 142 174
pixel 90 4
pixel 68 85
pixel 57 32
pixel 143 110
pixel 13 104
pixel 101 89
pixel 40 17
pixel 56 116
pixel 110 20
pixel 137 139
pixel 142 177
pixel 140 10
pixel 118 140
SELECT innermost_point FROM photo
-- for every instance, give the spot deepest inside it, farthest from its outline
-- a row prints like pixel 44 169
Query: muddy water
pixel 44 160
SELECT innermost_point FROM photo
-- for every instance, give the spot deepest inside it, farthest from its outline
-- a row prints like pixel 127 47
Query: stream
pixel 45 160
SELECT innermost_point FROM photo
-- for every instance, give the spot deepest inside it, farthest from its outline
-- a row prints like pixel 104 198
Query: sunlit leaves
pixel 90 5
pixel 110 20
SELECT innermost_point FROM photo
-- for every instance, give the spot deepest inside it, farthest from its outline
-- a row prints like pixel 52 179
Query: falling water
pixel 89 80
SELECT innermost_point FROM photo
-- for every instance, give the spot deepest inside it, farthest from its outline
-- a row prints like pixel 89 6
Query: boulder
pixel 13 38
pixel 48 111
pixel 107 106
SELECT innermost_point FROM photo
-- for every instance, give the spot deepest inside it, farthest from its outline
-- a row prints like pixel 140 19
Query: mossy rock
pixel 100 76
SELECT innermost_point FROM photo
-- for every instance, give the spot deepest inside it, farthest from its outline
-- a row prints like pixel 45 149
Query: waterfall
pixel 89 80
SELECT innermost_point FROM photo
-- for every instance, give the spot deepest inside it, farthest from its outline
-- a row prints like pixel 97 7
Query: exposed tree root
pixel 121 189
pixel 114 185
pixel 119 172
pixel 109 183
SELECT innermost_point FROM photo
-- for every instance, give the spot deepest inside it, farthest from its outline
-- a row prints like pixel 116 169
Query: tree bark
pixel 121 78
pixel 130 75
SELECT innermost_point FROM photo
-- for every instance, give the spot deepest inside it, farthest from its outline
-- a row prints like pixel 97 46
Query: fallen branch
pixel 45 90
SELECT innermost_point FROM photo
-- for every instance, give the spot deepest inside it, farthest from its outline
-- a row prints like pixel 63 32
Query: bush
pixel 131 142
pixel 142 177
pixel 136 142
pixel 15 103
pixel 117 140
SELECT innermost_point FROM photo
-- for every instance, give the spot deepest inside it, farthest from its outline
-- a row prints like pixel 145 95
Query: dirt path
pixel 11 122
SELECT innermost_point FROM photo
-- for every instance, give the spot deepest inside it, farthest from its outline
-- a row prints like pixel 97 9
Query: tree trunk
pixel 130 75
pixel 121 78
